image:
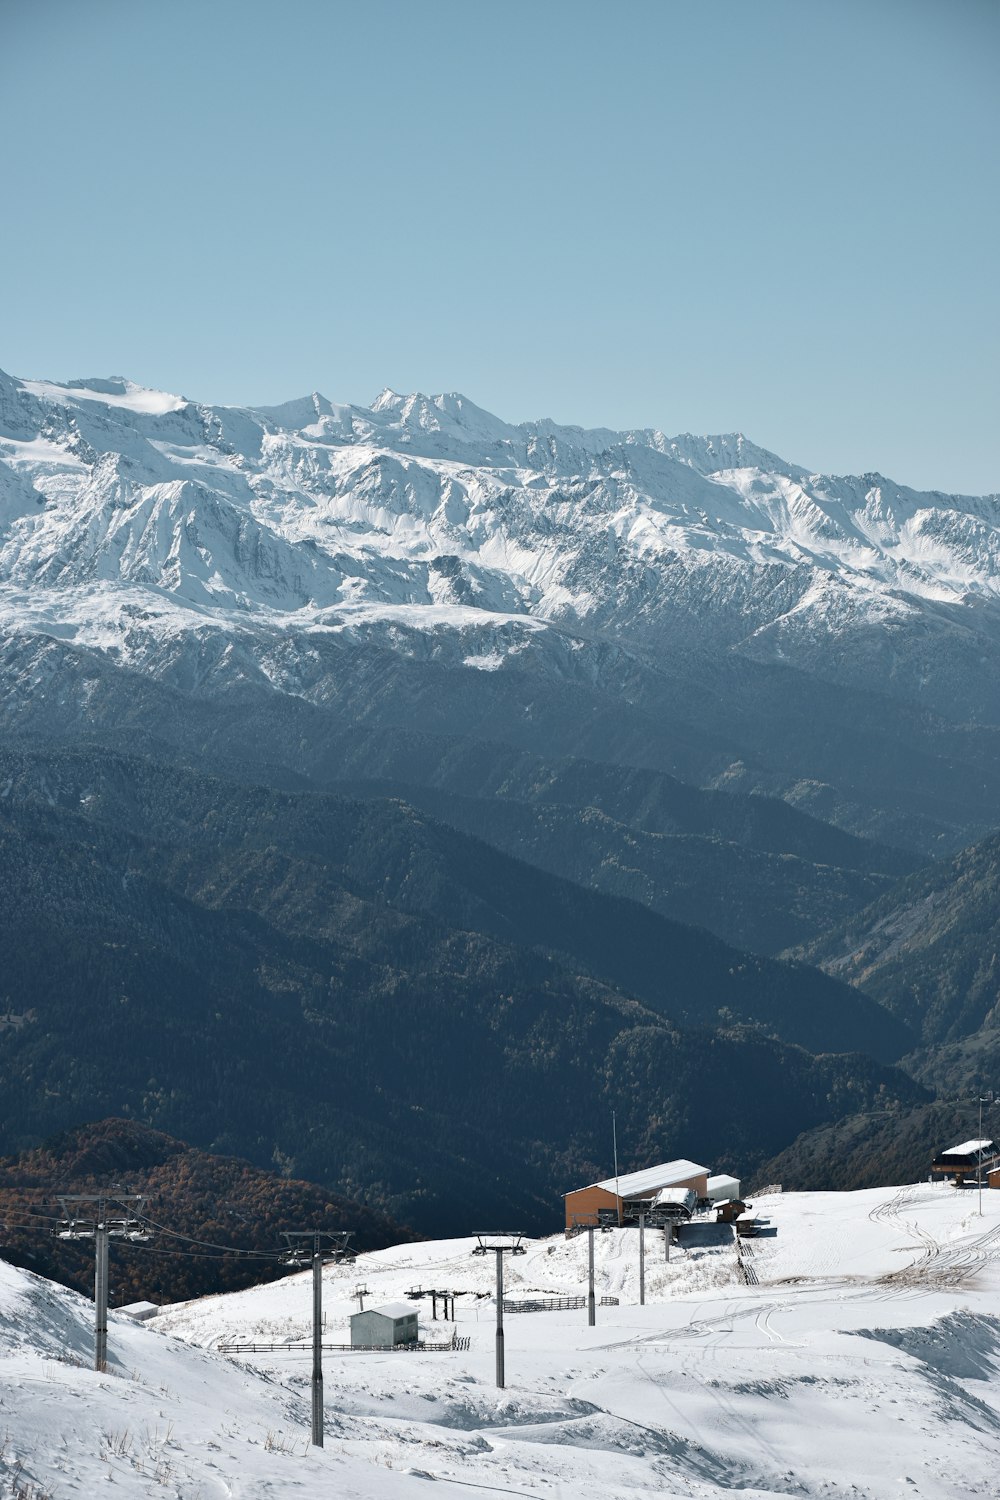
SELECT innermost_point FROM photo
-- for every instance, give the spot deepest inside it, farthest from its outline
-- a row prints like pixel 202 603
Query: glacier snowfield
pixel 864 1362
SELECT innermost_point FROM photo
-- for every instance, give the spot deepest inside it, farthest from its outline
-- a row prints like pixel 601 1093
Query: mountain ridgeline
pixel 698 606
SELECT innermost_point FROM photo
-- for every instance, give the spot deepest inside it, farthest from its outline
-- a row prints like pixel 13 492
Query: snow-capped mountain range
pixel 127 514
pixel 694 605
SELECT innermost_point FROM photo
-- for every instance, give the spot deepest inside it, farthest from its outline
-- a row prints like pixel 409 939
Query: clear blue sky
pixel 779 216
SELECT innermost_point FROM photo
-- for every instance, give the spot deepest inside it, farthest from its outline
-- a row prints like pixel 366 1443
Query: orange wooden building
pixel 583 1204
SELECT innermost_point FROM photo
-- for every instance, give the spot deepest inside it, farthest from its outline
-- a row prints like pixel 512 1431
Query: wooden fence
pixel 460 1345
pixel 551 1304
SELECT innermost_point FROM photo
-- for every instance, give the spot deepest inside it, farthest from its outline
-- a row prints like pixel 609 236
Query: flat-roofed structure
pixel 588 1205
pixel 722 1189
pixel 967 1159
pixel 381 1327
pixel 140 1312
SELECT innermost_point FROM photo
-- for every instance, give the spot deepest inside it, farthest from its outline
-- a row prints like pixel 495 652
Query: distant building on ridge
pixel 628 1195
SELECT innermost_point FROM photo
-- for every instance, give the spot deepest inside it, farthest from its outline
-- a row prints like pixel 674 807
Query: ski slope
pixel 864 1362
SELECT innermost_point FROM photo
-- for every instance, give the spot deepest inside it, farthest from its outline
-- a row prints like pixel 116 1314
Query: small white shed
pixel 392 1323
pixel 140 1312
pixel 723 1189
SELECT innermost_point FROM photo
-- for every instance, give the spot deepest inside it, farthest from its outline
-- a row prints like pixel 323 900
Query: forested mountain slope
pixel 618 687
pixel 384 1005
pixel 929 949
pixel 216 1222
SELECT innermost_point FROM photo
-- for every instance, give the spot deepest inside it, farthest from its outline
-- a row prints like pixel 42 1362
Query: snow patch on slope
pixel 111 392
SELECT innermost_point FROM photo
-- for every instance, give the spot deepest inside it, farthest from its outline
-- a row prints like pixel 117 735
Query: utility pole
pixel 101 1296
pixel 642 1260
pixel 113 1218
pixel 501 1244
pixel 591 1304
pixel 983 1099
pixel 317 1255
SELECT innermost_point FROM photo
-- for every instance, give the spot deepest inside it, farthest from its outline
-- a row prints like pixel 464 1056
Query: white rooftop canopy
pixel 140 1310
pixel 680 1195
pixel 969 1148
pixel 721 1185
pixel 651 1179
pixel 395 1310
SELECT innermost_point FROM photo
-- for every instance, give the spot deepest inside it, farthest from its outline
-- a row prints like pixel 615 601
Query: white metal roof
pixel 394 1310
pixel 635 1184
pixel 140 1310
pixel 969 1148
pixel 682 1195
pixel 722 1184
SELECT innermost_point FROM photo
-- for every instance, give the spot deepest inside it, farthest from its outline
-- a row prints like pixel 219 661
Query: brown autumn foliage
pixel 212 1218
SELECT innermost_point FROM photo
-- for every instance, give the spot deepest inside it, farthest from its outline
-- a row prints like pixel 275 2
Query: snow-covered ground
pixel 865 1361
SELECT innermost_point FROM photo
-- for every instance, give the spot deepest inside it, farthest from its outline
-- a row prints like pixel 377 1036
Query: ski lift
pixel 133 1230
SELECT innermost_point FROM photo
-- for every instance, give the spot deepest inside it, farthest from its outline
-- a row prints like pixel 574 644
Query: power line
pixel 191 1239
pixel 30 1220
pixel 197 1254
pixel 26 1218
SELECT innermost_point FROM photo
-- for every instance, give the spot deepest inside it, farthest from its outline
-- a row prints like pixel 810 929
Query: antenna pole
pixel 642 1260
pixel 101 1295
pixel 591 1314
pixel 317 1370
pixel 986 1098
pixel 500 1374
pixel 614 1135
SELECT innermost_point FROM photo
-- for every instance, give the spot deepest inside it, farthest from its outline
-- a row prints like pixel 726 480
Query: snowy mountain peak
pixel 450 414
pixel 301 412
pixel 430 508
